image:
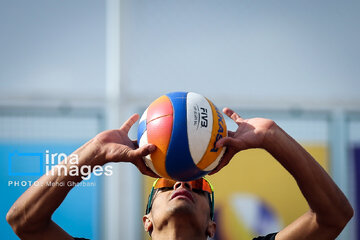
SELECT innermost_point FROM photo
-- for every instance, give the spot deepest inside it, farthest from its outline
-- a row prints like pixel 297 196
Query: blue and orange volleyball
pixel 185 127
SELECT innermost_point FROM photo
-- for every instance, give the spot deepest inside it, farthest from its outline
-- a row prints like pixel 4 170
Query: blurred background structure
pixel 70 69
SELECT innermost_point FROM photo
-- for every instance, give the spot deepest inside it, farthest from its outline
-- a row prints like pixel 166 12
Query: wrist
pixel 92 153
pixel 271 137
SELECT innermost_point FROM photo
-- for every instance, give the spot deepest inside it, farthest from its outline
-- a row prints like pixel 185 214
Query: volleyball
pixel 185 127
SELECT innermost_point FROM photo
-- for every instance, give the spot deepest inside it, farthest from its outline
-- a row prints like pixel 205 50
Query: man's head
pixel 184 208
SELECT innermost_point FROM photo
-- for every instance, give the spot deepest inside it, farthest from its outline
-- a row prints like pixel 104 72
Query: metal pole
pixel 119 219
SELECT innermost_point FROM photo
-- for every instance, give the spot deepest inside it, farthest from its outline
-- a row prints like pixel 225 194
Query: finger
pixel 231 134
pixel 128 124
pixel 137 159
pixel 150 173
pixel 224 161
pixel 135 142
pixel 147 171
pixel 229 142
pixel 142 151
pixel 233 115
pixel 144 169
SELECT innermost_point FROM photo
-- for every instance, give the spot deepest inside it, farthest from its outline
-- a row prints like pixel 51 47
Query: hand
pixel 249 134
pixel 118 147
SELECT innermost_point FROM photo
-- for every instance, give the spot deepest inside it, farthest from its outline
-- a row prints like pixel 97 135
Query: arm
pixel 329 209
pixel 30 215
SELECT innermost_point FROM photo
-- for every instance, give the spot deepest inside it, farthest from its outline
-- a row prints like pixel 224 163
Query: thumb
pixel 226 141
pixel 142 151
pixel 231 142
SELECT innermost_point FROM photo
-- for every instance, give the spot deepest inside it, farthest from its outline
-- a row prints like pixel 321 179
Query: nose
pixel 182 185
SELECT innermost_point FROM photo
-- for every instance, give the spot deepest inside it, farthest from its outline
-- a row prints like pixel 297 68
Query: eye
pixel 164 189
pixel 199 191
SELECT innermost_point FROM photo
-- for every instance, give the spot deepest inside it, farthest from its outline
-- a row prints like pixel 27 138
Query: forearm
pixel 325 199
pixel 33 210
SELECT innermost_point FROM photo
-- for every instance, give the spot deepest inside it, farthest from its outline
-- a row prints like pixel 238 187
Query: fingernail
pixel 152 148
